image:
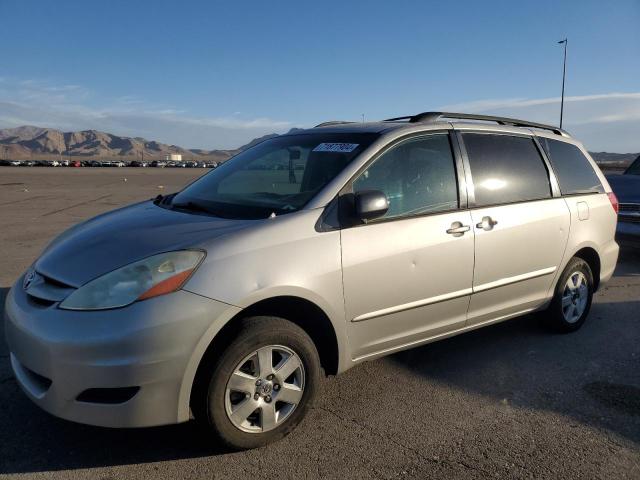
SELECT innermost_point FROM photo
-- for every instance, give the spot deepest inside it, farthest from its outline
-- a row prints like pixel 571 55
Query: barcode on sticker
pixel 336 147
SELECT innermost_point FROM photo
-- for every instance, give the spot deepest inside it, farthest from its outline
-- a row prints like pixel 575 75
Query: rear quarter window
pixel 574 171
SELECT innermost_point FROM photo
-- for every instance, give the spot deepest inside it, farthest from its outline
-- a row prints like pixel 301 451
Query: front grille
pixel 52 281
pixel 42 382
pixel 39 302
pixel 32 381
pixel 44 291
pixel 111 396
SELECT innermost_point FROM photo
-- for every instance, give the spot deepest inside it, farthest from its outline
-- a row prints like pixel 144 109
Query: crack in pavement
pixel 75 205
pixel 25 199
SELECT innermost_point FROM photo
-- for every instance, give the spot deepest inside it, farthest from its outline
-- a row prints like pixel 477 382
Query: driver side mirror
pixel 370 204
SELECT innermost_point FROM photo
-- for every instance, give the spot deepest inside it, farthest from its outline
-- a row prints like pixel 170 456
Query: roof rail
pixel 435 116
pixel 332 122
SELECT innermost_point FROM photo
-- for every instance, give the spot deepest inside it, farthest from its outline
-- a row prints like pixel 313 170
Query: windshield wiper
pixel 193 207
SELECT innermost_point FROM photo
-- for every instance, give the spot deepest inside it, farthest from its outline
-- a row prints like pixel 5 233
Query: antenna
pixel 564 74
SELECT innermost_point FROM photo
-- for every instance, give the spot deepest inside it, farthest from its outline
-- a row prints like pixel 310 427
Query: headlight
pixel 153 276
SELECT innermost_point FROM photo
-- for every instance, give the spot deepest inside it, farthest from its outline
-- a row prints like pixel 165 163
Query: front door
pixel 408 275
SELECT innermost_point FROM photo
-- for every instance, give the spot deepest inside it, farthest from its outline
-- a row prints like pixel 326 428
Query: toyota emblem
pixel 28 279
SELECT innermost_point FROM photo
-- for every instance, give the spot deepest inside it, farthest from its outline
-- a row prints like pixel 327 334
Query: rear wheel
pixel 262 384
pixel 572 299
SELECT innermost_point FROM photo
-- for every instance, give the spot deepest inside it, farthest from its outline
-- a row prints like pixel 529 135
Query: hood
pixel 626 187
pixel 117 238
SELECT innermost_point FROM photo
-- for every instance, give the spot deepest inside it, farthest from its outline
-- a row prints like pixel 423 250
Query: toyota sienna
pixel 305 255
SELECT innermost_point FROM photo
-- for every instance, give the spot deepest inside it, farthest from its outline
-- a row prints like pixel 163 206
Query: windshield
pixel 634 168
pixel 277 176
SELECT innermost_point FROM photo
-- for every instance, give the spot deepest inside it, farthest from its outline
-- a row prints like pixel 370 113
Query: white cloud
pixel 66 107
pixel 603 122
pixel 481 105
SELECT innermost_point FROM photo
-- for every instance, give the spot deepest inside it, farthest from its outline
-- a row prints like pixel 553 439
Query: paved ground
pixel 508 401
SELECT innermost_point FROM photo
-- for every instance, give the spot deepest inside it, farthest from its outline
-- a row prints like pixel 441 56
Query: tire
pixel 570 307
pixel 226 407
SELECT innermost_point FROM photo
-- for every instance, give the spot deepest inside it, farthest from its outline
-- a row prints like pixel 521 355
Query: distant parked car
pixel 63 163
pixel 95 163
pixel 137 163
pixel 15 163
pixel 158 164
pixel 28 163
pixel 627 189
pixel 76 163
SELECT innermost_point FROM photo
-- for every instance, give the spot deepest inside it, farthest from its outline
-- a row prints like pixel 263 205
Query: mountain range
pixel 36 142
pixel 46 143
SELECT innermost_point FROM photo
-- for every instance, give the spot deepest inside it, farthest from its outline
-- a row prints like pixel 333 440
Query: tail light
pixel 614 201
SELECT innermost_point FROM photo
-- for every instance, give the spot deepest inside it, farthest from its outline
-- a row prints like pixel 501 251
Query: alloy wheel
pixel 575 297
pixel 264 389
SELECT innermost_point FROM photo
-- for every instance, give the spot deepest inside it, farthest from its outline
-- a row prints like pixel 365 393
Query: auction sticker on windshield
pixel 336 147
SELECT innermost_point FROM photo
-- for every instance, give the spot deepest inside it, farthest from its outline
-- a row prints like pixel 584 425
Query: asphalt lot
pixel 507 401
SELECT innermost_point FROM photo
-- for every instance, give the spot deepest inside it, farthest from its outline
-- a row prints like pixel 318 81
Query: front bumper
pixel 56 355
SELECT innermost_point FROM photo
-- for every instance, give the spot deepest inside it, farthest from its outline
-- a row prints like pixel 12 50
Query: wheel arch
pixel 299 310
pixel 591 256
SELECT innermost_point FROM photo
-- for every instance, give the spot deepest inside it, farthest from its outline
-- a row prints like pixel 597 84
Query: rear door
pixel 521 224
pixel 407 276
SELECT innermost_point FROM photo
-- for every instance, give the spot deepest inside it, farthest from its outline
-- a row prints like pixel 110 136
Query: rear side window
pixel 575 173
pixel 506 169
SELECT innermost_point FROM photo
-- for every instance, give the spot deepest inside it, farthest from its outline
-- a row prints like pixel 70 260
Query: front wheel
pixel 572 299
pixel 262 384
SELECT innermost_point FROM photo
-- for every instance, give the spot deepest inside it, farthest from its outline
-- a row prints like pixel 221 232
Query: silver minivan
pixel 303 256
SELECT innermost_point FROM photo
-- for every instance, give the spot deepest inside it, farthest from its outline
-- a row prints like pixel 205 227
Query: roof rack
pixel 435 116
pixel 332 122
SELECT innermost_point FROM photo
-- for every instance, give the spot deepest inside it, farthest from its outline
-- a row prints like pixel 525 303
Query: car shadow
pixel 591 376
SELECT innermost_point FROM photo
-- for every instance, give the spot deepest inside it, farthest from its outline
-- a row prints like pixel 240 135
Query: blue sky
pixel 211 74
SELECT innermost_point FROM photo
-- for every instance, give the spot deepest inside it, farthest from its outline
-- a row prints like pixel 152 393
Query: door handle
pixel 457 229
pixel 487 223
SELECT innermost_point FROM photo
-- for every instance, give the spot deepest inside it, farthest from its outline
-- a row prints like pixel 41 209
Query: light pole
pixel 564 73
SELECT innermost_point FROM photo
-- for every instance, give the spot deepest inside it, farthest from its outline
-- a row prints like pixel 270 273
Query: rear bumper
pixel 145 348
pixel 608 261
